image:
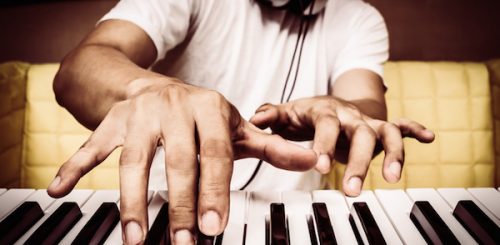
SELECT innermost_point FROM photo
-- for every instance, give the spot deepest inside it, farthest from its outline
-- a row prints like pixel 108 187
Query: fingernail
pixel 55 182
pixel 323 164
pixel 355 184
pixel 210 223
pixel 429 133
pixel 183 237
pixel 395 169
pixel 259 115
pixel 133 233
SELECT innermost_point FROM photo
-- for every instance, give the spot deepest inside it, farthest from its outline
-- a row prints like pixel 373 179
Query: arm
pixel 109 65
pixel 364 89
pixel 105 85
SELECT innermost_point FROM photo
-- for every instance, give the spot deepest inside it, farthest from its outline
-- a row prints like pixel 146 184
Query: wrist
pixel 140 85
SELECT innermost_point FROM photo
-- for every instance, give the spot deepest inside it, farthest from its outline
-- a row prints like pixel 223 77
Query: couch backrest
pixel 51 135
pixel 451 98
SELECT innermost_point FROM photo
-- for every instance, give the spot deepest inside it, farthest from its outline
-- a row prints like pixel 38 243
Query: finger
pixel 216 167
pixel 327 128
pixel 363 140
pixel 266 116
pixel 135 161
pixel 182 174
pixel 253 142
pixel 106 138
pixel 392 141
pixel 415 130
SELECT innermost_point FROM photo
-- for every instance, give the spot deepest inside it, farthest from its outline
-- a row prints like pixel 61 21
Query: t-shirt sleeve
pixel 367 46
pixel 165 21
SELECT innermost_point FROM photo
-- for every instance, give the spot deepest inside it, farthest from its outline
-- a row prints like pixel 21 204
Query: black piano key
pixel 204 239
pixel 57 225
pixel 19 221
pixel 159 234
pixel 369 228
pixel 430 225
pixel 355 231
pixel 312 231
pixel 244 234
pixel 477 223
pixel 279 234
pixel 218 239
pixel 100 225
pixel 323 224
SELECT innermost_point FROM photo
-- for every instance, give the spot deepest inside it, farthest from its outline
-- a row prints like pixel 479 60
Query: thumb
pixel 274 150
pixel 266 116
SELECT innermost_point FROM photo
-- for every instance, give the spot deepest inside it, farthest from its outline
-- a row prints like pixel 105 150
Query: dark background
pixel 459 30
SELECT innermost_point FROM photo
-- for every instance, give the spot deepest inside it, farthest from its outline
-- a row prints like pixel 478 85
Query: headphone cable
pixel 302 34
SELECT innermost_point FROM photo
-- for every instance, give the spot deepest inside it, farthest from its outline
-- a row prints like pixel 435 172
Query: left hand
pixel 341 131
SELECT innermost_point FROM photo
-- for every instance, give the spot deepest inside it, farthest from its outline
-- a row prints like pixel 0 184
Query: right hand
pixel 185 120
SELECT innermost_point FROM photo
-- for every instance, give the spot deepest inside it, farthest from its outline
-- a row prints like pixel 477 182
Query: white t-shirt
pixel 243 50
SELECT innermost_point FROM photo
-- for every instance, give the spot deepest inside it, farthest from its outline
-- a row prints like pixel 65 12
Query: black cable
pixel 301 29
pixel 293 60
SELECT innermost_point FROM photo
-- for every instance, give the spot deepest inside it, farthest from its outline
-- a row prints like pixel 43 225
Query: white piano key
pixel 489 197
pixel 444 211
pixel 298 206
pixel 11 199
pixel 42 198
pixel 258 210
pixel 453 195
pixel 339 214
pixel 2 190
pixel 383 222
pixel 115 237
pixel 397 206
pixel 233 234
pixel 77 196
pixel 88 211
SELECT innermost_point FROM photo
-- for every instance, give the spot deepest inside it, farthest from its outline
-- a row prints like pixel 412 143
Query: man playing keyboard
pixel 204 79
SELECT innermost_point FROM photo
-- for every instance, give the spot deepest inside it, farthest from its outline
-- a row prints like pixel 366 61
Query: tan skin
pixel 120 99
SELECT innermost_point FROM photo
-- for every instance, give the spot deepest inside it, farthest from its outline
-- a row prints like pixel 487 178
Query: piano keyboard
pixel 414 216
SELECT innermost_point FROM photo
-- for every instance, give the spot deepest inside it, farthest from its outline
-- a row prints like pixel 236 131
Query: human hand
pixel 340 131
pixel 185 120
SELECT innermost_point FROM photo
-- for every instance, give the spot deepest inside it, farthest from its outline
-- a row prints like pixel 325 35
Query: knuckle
pixel 182 212
pixel 212 191
pixel 216 148
pixel 173 93
pixel 211 97
pixel 353 111
pixel 331 119
pixel 133 158
pixel 180 159
pixel 365 129
pixel 388 126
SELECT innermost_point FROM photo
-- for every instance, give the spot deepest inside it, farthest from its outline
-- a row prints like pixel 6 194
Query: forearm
pixel 363 89
pixel 94 77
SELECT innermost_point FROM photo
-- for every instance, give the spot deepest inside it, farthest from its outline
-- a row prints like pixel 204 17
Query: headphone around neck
pixel 300 7
pixel 304 8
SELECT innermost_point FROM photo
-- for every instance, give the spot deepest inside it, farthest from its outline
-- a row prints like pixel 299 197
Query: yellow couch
pixel 453 99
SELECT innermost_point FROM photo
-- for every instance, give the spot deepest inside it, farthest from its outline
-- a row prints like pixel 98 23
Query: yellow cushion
pixel 12 96
pixel 453 99
pixel 51 135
